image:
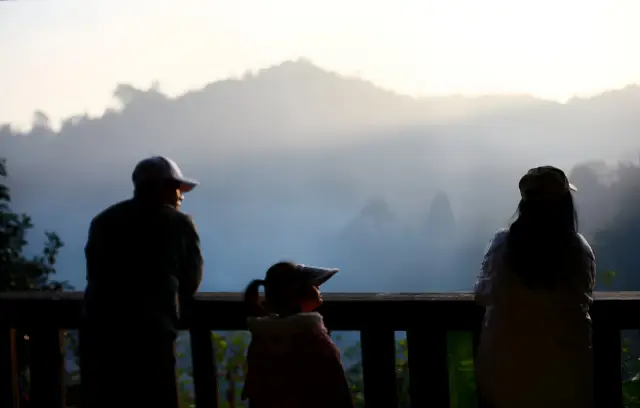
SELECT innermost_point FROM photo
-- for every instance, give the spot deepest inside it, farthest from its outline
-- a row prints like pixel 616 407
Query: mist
pixel 298 163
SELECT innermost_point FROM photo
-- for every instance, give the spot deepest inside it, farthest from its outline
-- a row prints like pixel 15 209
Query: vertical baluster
pixel 428 367
pixel 8 370
pixel 475 335
pixel 205 378
pixel 607 349
pixel 379 368
pixel 46 364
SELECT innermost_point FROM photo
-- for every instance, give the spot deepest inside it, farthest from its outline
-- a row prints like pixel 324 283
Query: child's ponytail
pixel 252 298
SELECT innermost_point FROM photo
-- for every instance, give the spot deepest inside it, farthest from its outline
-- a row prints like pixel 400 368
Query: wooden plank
pixel 63 299
pixel 9 396
pixel 236 297
pixel 46 365
pixel 607 350
pixel 205 378
pixel 343 311
pixel 428 367
pixel 379 367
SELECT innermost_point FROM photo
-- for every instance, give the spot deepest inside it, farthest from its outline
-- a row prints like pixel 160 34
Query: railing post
pixel 379 367
pixel 475 338
pixel 8 370
pixel 205 378
pixel 46 361
pixel 607 367
pixel 428 367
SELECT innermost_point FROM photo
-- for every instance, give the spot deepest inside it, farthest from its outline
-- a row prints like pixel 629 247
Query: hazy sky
pixel 65 56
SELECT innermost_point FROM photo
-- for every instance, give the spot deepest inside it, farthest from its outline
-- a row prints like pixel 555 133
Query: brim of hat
pixel 318 275
pixel 187 185
pixel 572 187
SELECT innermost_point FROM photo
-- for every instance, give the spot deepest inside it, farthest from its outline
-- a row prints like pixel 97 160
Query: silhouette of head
pixel 289 288
pixel 159 179
pixel 545 183
pixel 543 243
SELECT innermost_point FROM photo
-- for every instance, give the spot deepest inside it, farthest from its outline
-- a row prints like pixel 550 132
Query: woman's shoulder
pixel 498 240
pixel 586 248
pixel 501 235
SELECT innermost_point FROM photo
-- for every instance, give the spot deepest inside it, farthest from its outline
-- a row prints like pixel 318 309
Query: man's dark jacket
pixel 143 261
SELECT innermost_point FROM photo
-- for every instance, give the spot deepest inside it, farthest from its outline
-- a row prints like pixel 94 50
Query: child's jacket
pixel 293 363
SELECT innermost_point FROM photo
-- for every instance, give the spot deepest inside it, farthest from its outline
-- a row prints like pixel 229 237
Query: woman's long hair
pixel 543 243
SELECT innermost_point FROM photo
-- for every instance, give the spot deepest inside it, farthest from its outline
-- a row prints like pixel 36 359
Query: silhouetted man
pixel 143 263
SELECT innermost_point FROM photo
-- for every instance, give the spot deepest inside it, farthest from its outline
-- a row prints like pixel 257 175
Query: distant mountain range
pixel 289 155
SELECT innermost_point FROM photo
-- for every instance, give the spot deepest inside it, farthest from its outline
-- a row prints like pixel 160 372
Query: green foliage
pixel 607 278
pixel 17 271
pixel 461 372
pixel 353 373
pixel 462 375
pixel 231 349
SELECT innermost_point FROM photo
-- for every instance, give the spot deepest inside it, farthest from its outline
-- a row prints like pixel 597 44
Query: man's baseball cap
pixel 545 182
pixel 158 169
pixel 292 273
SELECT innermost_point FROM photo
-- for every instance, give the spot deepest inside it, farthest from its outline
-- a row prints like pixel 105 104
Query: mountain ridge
pixel 303 71
pixel 287 157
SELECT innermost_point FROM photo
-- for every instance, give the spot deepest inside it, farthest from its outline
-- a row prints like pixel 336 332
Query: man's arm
pixel 90 251
pixel 191 269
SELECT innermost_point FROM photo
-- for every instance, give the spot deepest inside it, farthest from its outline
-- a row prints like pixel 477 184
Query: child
pixel 292 361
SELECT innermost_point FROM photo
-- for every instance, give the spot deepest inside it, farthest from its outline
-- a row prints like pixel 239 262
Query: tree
pixel 41 120
pixel 18 272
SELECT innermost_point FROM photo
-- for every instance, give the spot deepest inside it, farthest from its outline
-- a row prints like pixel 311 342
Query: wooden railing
pixel 426 318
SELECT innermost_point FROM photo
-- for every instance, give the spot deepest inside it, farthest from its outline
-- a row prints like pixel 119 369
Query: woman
pixel 292 362
pixel 537 279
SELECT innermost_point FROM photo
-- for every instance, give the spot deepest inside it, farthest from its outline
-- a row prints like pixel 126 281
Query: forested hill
pixel 290 155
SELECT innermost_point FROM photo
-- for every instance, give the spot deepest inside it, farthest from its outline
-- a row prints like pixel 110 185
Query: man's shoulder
pixel 179 218
pixel 178 221
pixel 130 209
pixel 114 210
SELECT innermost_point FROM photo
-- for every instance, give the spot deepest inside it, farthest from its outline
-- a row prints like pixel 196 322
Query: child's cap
pixel 288 273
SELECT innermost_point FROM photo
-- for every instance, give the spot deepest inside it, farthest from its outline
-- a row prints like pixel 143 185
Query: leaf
pixel 607 278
